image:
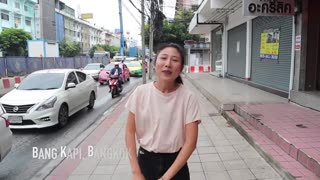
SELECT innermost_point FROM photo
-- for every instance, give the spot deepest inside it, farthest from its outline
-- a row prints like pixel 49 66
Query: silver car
pixel 48 97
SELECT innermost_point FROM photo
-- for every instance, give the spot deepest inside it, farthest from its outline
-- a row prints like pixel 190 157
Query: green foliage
pixel 14 41
pixel 92 50
pixel 175 31
pixel 69 49
pixel 103 47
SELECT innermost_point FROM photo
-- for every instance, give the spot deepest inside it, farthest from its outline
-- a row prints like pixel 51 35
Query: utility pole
pixel 151 39
pixel 144 79
pixel 121 29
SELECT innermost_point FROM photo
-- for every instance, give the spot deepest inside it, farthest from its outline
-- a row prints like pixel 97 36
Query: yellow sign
pixel 87 16
pixel 269 48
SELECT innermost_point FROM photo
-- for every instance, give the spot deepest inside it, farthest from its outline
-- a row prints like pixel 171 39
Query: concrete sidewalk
pixel 221 154
pixel 285 134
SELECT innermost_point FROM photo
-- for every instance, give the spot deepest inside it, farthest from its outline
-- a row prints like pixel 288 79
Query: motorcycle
pixel 114 84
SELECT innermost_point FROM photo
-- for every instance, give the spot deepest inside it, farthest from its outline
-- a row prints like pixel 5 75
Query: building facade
pixel 277 53
pixel 53 21
pixel 71 28
pixel 47 25
pixel 18 14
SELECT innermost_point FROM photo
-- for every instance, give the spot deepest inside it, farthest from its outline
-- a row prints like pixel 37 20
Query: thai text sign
pixel 268 7
pixel 87 16
pixel 269 48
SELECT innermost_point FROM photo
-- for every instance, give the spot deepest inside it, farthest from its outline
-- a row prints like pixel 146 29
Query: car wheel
pixel 128 78
pixel 101 83
pixel 63 115
pixel 91 101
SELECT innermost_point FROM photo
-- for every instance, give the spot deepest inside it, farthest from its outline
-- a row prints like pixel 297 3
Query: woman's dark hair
pixel 181 52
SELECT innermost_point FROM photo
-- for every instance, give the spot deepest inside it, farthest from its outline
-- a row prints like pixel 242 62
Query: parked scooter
pixel 114 84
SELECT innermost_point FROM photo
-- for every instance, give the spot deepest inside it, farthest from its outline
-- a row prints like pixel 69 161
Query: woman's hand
pixel 138 176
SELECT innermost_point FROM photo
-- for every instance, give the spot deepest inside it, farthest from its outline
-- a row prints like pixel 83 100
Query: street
pixel 20 164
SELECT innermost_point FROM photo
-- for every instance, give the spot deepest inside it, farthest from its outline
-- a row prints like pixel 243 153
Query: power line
pixel 134 17
pixel 137 8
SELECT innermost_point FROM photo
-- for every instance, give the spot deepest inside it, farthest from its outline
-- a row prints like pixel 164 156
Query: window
pixel 81 76
pixel 17 5
pixel 28 22
pixel 72 78
pixel 4 1
pixel 5 16
pixel 194 7
pixel 25 8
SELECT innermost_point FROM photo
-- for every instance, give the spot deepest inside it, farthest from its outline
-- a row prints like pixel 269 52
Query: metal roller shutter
pixel 237 51
pixel 268 72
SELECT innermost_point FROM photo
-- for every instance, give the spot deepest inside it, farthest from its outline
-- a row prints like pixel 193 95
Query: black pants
pixel 154 165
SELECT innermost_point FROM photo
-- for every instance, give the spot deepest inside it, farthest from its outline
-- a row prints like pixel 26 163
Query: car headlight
pixel 49 103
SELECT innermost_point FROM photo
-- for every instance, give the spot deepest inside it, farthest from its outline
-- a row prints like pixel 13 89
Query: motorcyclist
pixel 117 71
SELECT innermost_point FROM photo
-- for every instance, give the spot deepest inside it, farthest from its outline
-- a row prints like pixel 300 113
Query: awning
pixel 211 14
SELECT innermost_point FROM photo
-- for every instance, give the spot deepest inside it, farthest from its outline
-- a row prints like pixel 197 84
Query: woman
pixel 164 116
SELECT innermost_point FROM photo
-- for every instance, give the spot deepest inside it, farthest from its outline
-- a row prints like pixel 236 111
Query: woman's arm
pixel 131 144
pixel 186 150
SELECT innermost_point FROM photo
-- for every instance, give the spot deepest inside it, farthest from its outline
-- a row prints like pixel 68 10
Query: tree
pixel 69 49
pixel 103 47
pixel 14 41
pixel 175 31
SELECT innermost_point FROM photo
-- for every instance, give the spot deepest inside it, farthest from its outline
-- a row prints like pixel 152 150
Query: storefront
pixel 271 51
pixel 237 51
pixel 216 49
pixel 306 81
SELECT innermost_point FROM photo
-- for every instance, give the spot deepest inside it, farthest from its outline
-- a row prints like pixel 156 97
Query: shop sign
pixel 268 7
pixel 298 43
pixel 269 48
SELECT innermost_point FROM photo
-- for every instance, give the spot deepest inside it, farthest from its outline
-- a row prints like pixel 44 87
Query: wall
pixel 237 19
pixel 35 48
pixel 48 20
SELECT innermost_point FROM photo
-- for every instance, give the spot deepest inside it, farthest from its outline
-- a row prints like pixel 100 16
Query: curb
pixel 273 163
pixel 213 100
pixel 7 83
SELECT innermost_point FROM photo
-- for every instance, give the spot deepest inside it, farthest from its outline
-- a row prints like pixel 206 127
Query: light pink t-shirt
pixel 161 117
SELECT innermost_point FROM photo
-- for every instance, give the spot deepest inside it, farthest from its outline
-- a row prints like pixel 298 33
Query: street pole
pixel 121 29
pixel 144 80
pixel 151 39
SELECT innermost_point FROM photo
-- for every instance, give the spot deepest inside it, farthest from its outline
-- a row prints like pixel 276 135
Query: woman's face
pixel 168 64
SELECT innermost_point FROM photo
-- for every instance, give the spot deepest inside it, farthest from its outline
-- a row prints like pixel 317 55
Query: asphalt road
pixel 20 165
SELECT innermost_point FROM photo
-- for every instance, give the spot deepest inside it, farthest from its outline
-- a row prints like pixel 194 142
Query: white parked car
pixel 93 69
pixel 48 97
pixel 5 138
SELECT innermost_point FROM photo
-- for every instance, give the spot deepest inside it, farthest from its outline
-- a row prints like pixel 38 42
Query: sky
pixel 106 13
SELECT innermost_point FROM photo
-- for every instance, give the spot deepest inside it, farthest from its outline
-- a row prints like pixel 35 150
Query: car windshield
pixel 110 66
pixel 92 67
pixel 134 64
pixel 42 81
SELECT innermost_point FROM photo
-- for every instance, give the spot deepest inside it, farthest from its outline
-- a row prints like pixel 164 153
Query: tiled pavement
pixel 222 153
pixel 286 134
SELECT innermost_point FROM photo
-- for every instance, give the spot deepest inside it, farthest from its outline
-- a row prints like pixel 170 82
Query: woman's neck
pixel 166 87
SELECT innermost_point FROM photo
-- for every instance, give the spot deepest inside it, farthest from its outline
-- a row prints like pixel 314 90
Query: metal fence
pixel 20 66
